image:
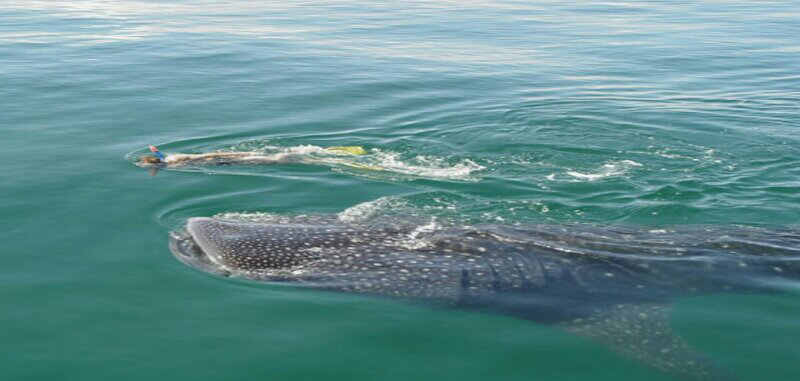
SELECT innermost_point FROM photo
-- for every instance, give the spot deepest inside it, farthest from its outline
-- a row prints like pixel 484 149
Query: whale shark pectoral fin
pixel 643 333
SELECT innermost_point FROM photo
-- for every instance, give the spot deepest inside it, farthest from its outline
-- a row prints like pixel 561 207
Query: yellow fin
pixel 351 150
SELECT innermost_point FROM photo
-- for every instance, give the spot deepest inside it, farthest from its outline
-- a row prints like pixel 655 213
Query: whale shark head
pixel 228 247
pixel 255 250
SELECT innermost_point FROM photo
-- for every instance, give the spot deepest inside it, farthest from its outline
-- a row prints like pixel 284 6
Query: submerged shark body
pixel 613 285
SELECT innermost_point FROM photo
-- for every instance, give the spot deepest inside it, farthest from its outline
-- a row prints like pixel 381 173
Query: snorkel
pixel 158 154
pixel 155 162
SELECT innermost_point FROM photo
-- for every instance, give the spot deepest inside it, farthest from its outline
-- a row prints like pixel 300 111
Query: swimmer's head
pixel 150 161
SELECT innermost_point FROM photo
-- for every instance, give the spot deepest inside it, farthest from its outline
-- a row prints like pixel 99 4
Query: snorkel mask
pixel 156 161
pixel 158 154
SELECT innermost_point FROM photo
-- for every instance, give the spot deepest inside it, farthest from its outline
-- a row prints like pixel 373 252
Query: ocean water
pixel 644 113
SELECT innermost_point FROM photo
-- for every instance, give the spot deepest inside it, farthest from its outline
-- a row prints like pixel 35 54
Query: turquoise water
pixel 641 113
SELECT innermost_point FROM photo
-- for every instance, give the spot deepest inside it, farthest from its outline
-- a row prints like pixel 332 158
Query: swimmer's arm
pixel 180 158
pixel 232 155
pixel 249 158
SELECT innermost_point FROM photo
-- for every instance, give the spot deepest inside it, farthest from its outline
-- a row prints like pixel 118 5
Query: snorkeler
pixel 159 160
pixel 338 158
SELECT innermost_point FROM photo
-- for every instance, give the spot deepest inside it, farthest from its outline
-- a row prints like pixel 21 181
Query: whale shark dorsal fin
pixel 643 333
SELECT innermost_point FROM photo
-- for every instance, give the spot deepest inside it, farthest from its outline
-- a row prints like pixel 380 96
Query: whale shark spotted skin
pixel 611 284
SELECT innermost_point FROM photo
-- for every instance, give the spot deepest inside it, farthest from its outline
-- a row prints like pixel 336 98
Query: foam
pixel 365 210
pixel 425 166
pixel 387 162
pixel 609 169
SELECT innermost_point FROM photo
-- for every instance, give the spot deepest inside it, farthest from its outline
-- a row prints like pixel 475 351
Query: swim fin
pixel 350 150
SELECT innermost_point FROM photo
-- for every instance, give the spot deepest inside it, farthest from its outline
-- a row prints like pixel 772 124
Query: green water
pixel 643 113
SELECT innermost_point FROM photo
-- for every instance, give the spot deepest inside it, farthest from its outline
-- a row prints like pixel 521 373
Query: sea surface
pixel 644 113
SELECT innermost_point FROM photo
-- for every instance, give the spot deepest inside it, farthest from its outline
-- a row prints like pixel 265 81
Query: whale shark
pixel 611 284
